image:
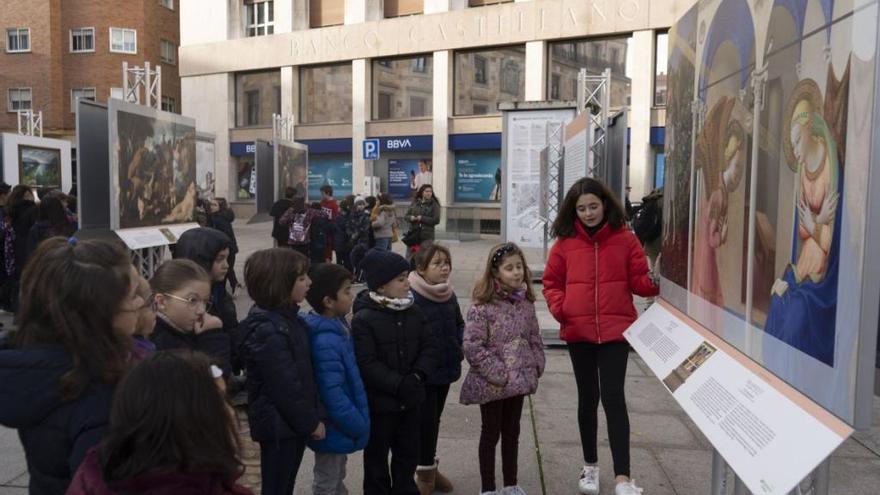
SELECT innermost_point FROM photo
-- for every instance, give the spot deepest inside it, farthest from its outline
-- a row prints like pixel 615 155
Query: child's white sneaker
pixel 589 482
pixel 627 488
pixel 513 490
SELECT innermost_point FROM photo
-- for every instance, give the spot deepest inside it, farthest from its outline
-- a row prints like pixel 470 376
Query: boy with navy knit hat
pixel 395 353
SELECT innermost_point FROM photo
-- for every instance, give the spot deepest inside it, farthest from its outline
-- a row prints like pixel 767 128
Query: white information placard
pixel 771 435
pixel 153 236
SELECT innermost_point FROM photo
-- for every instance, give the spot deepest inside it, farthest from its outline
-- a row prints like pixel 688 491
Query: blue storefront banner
pixel 334 171
pixel 406 143
pixel 406 176
pixel 477 176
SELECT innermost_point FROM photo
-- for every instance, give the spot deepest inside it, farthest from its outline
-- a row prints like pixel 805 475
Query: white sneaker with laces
pixel 513 490
pixel 628 488
pixel 589 482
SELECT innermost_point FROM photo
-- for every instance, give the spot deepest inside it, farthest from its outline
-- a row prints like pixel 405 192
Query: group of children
pixel 91 333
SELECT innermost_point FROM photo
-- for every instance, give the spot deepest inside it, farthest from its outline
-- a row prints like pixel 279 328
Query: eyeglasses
pixel 191 302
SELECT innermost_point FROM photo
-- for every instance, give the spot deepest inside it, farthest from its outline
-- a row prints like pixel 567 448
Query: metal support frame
pixel 135 79
pixel 552 192
pixel 282 126
pixel 147 260
pixel 30 123
pixel 594 93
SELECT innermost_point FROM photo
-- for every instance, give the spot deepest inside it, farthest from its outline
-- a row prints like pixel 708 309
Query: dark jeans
pixel 279 463
pixel 600 372
pixel 302 248
pixel 432 409
pixel 500 419
pixel 397 432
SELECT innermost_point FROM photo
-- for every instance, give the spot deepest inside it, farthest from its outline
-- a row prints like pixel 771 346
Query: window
pixel 19 99
pixel 479 69
pixel 18 40
pixel 554 87
pixel 259 18
pixel 660 68
pixel 116 93
pixel 484 78
pixel 403 87
pixel 510 77
pixel 417 106
pixel 257 97
pixel 82 40
pixel 384 107
pixel 567 58
pixel 81 93
pixel 418 64
pixel 123 40
pixel 168 104
pixel 168 52
pixel 325 93
pixel 168 4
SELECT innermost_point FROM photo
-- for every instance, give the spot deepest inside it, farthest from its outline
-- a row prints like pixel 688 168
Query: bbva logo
pixel 394 144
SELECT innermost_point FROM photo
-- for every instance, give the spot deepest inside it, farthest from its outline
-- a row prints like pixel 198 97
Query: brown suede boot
pixel 425 479
pixel 441 483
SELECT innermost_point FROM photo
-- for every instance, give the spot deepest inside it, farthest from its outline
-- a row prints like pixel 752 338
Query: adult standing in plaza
pixel 424 213
pixel 594 268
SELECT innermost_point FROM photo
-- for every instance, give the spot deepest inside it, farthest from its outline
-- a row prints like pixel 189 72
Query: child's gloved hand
pixel 411 391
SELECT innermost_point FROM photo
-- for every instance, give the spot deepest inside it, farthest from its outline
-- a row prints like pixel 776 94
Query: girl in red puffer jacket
pixel 594 268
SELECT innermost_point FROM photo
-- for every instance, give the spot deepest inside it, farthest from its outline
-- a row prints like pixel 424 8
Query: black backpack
pixel 648 220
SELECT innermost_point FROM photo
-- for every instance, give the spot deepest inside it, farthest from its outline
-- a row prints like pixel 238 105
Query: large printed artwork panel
pixel 39 167
pixel 679 143
pixel 780 122
pixel 155 160
pixel 292 170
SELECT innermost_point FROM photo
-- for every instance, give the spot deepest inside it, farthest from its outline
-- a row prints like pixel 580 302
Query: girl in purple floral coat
pixel 503 346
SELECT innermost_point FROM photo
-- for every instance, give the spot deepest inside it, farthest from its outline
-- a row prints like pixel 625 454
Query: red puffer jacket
pixel 589 283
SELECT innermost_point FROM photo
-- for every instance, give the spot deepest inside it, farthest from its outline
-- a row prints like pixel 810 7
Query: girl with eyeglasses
pixel 182 291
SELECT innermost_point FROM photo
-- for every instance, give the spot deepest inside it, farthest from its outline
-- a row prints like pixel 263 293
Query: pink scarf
pixel 438 293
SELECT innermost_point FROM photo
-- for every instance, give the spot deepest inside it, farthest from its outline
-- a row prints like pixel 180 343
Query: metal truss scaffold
pixel 594 94
pixel 30 123
pixel 135 79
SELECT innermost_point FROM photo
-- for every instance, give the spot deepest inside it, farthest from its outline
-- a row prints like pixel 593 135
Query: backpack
pixel 647 222
pixel 318 231
pixel 299 230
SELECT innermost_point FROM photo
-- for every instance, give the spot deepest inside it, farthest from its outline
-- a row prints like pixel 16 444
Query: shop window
pixel 325 93
pixel 485 78
pixel 403 87
pixel 567 58
pixel 257 98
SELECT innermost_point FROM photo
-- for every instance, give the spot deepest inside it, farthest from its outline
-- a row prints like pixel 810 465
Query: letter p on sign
pixel 371 149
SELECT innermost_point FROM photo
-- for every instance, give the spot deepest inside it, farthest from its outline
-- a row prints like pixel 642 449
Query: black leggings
pixel 432 409
pixel 600 371
pixel 500 419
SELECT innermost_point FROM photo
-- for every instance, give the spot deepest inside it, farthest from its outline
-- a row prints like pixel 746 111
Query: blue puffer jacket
pixel 282 395
pixel 55 433
pixel 339 385
pixel 447 326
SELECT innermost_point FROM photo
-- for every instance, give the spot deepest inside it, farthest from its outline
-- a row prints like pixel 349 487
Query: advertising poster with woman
pixel 406 176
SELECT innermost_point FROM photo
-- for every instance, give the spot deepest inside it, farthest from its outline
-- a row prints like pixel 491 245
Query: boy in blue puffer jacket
pixel 336 374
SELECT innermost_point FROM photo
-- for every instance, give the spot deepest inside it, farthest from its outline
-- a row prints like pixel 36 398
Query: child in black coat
pixel 283 404
pixel 396 352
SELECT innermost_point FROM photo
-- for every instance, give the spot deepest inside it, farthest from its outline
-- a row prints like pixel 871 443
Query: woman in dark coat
pixel 22 214
pixel 424 213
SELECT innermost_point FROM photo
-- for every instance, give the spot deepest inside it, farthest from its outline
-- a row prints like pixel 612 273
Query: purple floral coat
pixel 502 344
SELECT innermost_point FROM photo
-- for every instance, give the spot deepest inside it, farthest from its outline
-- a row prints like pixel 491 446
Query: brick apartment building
pixel 54 51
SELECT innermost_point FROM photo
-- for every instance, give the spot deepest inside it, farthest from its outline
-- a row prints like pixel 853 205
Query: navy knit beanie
pixel 380 267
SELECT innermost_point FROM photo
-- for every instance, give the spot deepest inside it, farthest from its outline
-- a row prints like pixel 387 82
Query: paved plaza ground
pixel 669 454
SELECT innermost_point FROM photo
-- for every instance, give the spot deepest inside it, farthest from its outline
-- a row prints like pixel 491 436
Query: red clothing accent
pixel 333 207
pixel 89 480
pixel 589 283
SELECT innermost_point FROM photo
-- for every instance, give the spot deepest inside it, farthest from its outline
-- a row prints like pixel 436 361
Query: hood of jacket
pixel 319 324
pixel 202 245
pixel 30 383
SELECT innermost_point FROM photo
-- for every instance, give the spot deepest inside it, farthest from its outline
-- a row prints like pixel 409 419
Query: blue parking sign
pixel 371 149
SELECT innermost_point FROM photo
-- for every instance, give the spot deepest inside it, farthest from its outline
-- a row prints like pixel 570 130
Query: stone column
pixel 290 91
pixel 283 16
pixel 641 165
pixel 358 11
pixel 442 158
pixel 536 70
pixel 435 6
pixel 360 114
